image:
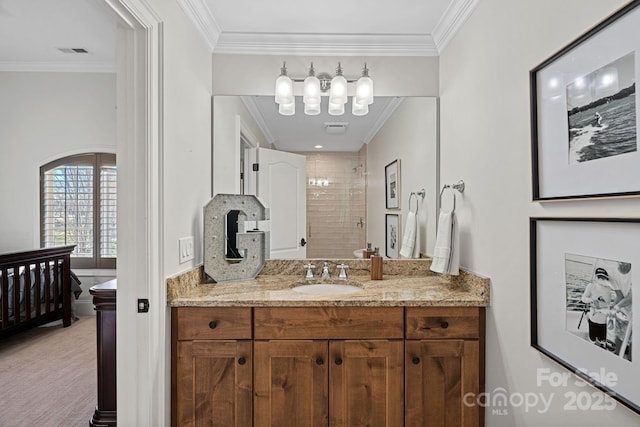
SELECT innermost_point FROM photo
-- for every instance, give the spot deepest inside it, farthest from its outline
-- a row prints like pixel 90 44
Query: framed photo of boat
pixel 585 115
pixel 583 313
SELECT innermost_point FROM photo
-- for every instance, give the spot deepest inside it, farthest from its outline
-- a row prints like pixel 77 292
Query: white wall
pixel 186 179
pixel 226 142
pixel 413 140
pixel 256 74
pixel 187 133
pixel 485 140
pixel 45 116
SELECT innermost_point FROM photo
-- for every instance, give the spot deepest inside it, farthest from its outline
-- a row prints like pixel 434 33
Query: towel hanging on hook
pixel 453 192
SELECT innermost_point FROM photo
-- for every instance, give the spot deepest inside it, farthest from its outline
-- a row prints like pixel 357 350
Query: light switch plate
pixel 185 249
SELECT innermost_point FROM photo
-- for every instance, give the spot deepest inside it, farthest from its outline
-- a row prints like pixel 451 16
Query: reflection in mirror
pixel 231 232
pixel 345 192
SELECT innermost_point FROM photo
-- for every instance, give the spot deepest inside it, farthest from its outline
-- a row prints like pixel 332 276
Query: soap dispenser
pixel 368 252
pixel 376 265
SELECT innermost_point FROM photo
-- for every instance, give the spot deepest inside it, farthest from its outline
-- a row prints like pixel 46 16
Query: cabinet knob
pixel 444 324
pixel 319 361
pixel 242 361
pixel 415 360
pixel 338 361
pixel 212 324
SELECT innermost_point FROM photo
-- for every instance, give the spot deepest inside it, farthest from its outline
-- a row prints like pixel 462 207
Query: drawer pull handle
pixel 444 324
pixel 242 361
pixel 415 360
pixel 212 324
pixel 338 361
pixel 319 361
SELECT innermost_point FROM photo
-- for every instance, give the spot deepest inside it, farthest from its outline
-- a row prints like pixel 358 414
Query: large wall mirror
pixel 329 202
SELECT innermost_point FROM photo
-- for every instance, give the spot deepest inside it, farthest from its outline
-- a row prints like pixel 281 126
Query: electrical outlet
pixel 185 249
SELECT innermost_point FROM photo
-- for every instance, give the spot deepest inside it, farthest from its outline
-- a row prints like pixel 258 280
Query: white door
pixel 281 184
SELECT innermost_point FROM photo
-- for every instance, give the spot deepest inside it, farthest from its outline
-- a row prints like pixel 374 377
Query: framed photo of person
pixel 392 184
pixel 584 114
pixel 392 235
pixel 583 313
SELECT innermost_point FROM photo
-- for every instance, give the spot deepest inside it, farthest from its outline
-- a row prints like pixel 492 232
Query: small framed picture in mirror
pixel 392 235
pixel 392 184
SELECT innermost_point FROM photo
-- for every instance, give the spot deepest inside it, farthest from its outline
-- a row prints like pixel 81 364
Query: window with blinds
pixel 78 200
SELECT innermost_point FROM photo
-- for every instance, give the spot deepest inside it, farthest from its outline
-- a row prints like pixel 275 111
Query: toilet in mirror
pixel 323 176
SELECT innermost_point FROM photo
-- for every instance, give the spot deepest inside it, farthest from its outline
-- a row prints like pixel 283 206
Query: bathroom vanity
pixel 405 350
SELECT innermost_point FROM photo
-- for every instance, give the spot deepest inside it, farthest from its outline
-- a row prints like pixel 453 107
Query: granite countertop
pixel 405 283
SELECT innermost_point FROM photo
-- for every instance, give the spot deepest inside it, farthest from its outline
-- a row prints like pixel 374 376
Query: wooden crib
pixel 35 288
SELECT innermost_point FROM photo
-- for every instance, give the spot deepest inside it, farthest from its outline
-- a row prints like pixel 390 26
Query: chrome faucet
pixel 325 271
pixel 309 271
pixel 343 273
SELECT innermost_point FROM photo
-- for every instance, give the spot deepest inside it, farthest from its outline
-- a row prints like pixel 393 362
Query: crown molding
pixel 326 44
pixel 58 67
pixel 382 118
pixel 200 14
pixel 453 18
pixel 250 103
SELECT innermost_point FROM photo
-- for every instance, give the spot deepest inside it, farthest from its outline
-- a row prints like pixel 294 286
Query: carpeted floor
pixel 48 376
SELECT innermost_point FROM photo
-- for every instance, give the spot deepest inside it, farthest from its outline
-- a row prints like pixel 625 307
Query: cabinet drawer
pixel 443 322
pixel 205 323
pixel 328 322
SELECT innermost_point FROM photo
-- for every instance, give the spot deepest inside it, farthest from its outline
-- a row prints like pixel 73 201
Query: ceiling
pixel 32 32
pixel 44 35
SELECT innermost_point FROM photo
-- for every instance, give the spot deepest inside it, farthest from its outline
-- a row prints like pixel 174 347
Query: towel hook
pixel 452 187
pixel 420 193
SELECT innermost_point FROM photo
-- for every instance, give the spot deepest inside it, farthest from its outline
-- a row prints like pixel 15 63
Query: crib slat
pixel 56 284
pixel 16 294
pixel 5 298
pixel 47 287
pixel 38 297
pixel 27 292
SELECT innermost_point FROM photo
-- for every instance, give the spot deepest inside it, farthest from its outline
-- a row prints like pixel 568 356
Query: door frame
pixel 141 350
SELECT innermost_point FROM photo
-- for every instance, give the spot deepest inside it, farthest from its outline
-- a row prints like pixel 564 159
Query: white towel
pixel 410 244
pixel 446 254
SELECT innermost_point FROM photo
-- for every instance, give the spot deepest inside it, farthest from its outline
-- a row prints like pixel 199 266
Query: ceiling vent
pixel 336 128
pixel 73 50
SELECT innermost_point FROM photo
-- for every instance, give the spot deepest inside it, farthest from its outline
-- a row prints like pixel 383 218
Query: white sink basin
pixel 327 289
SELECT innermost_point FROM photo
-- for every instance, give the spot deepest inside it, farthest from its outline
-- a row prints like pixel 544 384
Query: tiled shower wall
pixel 336 213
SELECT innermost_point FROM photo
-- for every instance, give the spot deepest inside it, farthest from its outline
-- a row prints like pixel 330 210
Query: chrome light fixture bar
pixel 314 86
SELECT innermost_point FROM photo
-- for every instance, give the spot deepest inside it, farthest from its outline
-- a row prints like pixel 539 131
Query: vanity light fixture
pixel 315 86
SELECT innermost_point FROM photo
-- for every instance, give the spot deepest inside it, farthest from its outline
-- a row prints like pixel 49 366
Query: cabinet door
pixel 438 374
pixel 213 383
pixel 366 383
pixel 290 383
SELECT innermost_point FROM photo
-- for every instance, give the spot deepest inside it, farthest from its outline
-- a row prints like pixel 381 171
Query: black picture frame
pixel 392 235
pixel 392 184
pixel 573 260
pixel 584 114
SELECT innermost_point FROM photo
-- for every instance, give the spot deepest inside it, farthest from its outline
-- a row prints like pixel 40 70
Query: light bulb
pixel 284 87
pixel 336 109
pixel 287 109
pixel 311 109
pixel 358 109
pixel 311 88
pixel 364 88
pixel 338 92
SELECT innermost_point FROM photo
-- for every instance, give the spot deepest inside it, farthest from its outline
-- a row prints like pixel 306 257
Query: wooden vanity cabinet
pixel 327 366
pixel 331 379
pixel 212 367
pixel 444 366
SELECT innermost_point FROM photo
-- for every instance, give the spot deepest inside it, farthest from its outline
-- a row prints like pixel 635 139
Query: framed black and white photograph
pixel 392 184
pixel 582 309
pixel 392 236
pixel 584 114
